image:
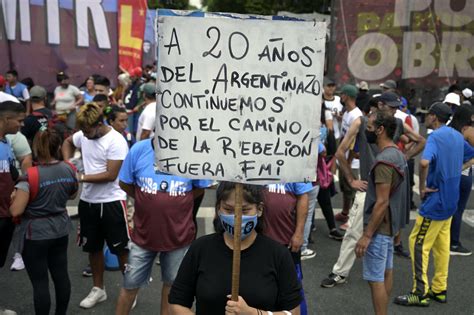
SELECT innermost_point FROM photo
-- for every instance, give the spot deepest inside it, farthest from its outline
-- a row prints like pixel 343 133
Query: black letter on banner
pixel 171 44
pixel 232 51
pixel 209 52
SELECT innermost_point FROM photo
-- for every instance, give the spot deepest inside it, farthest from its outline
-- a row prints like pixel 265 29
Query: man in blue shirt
pixel 15 88
pixel 440 176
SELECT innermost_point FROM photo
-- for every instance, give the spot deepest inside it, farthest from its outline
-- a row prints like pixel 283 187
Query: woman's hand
pixel 239 308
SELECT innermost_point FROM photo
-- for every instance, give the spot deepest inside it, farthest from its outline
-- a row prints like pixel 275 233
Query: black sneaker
pixel 336 235
pixel 333 280
pixel 87 272
pixel 400 251
pixel 459 250
pixel 441 297
pixel 412 299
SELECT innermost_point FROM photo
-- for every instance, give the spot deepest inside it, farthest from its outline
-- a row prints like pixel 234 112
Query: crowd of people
pixel 102 139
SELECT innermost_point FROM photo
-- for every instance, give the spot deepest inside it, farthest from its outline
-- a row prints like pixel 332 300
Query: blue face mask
pixel 249 222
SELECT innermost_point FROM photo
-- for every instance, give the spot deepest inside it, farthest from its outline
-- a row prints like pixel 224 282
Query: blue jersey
pixel 445 151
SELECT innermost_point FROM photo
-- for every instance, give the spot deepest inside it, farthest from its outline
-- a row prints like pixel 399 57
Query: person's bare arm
pixel 468 164
pixel 145 134
pixel 128 188
pixel 378 212
pixel 26 161
pixel 19 202
pixel 79 100
pixel 424 166
pixel 176 309
pixel 343 148
pixel 111 173
pixel 68 148
pixel 301 213
pixel 416 138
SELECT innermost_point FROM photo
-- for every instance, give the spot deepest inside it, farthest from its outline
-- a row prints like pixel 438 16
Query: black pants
pixel 324 200
pixel 39 257
pixel 6 232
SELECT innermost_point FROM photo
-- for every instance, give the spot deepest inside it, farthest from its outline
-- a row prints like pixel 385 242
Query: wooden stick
pixel 237 233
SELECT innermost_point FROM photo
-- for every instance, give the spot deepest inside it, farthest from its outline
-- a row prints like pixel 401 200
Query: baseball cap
pixel 38 92
pixel 363 86
pixel 440 110
pixel 349 90
pixel 328 81
pixel 389 84
pixel 391 99
pixel 2 80
pixel 149 89
pixel 136 72
pixel 404 102
pixel 452 98
pixel 467 93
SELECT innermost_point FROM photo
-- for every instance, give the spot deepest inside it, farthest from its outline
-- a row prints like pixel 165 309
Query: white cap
pixel 467 93
pixel 452 98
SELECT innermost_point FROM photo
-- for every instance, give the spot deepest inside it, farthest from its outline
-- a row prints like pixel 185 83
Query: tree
pixel 169 4
pixel 266 7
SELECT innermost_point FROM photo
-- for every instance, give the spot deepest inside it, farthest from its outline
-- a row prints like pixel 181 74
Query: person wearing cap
pixel 67 99
pixel 440 178
pixel 39 113
pixel 453 100
pixel 333 103
pixel 146 121
pixel 389 86
pixel 363 96
pixel 466 96
pixel 131 98
pixel 352 112
pixel 15 88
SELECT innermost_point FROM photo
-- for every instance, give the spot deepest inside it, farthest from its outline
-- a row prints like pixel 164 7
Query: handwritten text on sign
pixel 239 100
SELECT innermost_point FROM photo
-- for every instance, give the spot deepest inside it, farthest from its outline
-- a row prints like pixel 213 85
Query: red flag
pixel 131 25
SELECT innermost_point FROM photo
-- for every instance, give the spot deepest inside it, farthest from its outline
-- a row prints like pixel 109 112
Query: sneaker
pixel 332 280
pixel 412 299
pixel 341 217
pixel 459 250
pixel 441 297
pixel 336 235
pixel 400 251
pixel 307 254
pixel 18 263
pixel 344 226
pixel 4 311
pixel 87 272
pixel 96 295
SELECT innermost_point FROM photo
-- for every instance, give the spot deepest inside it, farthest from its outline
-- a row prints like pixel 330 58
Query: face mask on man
pixel 371 136
pixel 249 222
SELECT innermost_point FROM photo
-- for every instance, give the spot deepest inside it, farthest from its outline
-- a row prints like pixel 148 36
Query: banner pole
pixel 237 233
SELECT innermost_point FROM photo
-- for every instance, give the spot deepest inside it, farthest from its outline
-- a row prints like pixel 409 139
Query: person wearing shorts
pixel 387 198
pixel 102 206
pixel 163 222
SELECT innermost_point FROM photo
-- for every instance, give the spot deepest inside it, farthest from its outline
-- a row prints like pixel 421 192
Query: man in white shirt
pixel 333 103
pixel 102 206
pixel 146 121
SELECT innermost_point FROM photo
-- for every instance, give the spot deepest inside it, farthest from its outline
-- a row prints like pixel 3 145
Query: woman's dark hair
pixel 110 113
pixel 253 194
pixel 462 117
pixel 46 145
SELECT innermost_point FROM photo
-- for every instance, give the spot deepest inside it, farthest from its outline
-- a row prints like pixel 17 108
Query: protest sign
pixel 239 99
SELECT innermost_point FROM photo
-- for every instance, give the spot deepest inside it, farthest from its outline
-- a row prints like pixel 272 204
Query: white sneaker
pixel 96 295
pixel 18 263
pixel 307 254
pixel 4 311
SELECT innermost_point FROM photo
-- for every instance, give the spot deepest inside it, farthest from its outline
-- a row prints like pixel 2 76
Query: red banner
pixel 131 25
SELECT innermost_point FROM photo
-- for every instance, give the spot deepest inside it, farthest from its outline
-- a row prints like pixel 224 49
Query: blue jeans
pixel 378 258
pixel 312 200
pixel 140 262
pixel 464 192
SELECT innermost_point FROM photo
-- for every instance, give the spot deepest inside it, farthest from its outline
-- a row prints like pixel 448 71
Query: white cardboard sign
pixel 239 100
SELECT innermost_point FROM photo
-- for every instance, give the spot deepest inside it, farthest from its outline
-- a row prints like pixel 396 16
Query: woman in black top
pixel 268 281
pixel 40 199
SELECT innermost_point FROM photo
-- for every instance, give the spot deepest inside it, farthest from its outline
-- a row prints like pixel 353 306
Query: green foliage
pixel 169 4
pixel 265 7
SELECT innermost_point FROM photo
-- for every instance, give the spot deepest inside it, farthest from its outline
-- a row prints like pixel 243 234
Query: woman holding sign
pixel 269 283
